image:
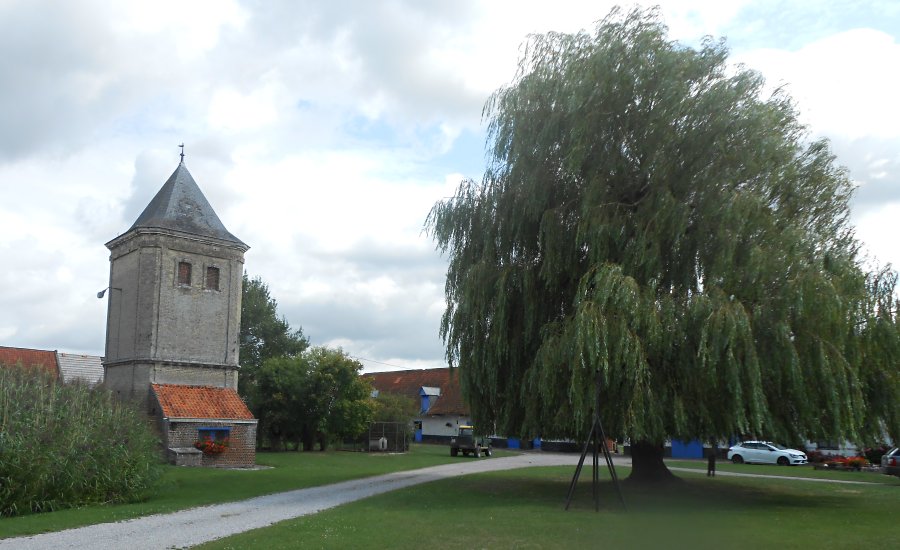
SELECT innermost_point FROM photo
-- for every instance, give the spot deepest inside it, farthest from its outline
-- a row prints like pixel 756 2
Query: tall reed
pixel 65 445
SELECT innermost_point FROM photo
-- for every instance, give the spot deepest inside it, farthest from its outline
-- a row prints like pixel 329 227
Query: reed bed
pixel 67 445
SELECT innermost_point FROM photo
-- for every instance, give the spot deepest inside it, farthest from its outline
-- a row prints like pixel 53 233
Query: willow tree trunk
pixel 647 464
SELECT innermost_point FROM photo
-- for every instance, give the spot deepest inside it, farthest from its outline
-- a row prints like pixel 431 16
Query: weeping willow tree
pixel 649 214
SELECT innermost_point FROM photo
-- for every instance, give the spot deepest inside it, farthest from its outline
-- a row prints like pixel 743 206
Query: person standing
pixel 711 460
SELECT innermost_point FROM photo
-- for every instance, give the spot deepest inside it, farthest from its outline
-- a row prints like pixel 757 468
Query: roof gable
pixel 181 206
pixel 30 358
pixel 202 402
pixel 412 383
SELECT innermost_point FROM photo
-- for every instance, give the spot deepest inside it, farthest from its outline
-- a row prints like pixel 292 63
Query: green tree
pixel 284 382
pixel 315 397
pixel 392 407
pixel 264 335
pixel 649 215
pixel 343 394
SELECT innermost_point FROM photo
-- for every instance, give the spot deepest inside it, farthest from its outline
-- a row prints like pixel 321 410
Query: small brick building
pixel 200 413
pixel 173 321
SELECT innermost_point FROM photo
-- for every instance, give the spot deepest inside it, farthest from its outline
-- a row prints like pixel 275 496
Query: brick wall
pixel 240 454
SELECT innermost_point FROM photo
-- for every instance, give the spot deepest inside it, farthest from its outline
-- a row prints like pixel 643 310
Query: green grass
pixel 792 471
pixel 524 509
pixel 189 487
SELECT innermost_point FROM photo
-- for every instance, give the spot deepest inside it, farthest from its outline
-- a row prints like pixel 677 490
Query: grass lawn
pixel 806 470
pixel 189 487
pixel 524 509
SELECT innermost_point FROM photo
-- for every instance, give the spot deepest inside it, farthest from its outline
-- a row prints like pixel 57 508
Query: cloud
pixel 323 133
pixel 54 80
pixel 842 83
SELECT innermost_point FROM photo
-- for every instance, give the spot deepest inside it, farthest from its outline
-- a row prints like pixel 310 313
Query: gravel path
pixel 198 525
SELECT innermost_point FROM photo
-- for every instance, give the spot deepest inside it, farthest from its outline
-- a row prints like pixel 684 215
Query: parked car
pixel 764 452
pixel 890 462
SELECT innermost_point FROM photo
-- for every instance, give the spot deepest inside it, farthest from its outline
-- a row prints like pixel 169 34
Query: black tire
pixel 783 461
pixel 487 452
pixel 454 451
pixel 477 452
pixel 737 459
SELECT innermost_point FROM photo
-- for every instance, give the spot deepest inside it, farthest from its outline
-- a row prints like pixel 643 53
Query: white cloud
pixel 193 27
pixel 230 110
pixel 845 84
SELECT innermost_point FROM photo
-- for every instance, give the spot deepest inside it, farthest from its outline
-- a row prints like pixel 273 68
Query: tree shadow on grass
pixel 525 509
pixel 547 487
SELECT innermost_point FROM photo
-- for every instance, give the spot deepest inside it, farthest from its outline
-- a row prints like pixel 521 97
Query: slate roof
pixel 180 205
pixel 84 368
pixel 43 359
pixel 410 382
pixel 179 401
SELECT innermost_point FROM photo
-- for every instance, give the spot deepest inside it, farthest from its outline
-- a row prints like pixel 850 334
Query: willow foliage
pixel 647 213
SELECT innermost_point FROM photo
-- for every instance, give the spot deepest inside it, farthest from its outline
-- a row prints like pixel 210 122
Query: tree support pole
pixel 596 441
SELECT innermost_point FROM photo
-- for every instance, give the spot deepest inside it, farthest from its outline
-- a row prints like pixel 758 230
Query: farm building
pixel 441 406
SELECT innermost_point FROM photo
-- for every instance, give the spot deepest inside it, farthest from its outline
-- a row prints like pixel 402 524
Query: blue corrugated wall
pixel 687 449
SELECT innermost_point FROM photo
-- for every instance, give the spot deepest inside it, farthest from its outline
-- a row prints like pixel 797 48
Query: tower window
pixel 184 273
pixel 212 278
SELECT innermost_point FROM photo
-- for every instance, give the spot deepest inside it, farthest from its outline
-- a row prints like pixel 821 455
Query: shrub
pixel 848 462
pixel 69 445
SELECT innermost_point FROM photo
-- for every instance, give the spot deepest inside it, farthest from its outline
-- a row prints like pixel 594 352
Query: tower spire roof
pixel 180 205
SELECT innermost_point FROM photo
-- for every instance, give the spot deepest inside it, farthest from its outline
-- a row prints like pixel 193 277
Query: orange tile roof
pixel 29 358
pixel 178 401
pixel 409 383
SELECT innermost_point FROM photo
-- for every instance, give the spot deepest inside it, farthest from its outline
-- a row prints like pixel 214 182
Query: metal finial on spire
pixel 182 152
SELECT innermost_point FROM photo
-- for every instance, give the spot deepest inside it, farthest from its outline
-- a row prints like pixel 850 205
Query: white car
pixel 763 452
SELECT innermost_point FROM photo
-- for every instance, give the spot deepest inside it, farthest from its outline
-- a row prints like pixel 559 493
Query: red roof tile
pixel 39 358
pixel 179 401
pixel 409 382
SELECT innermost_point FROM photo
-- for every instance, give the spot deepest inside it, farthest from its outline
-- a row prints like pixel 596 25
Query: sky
pixel 322 133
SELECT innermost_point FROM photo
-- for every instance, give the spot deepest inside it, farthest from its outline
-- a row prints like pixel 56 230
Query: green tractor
pixel 467 442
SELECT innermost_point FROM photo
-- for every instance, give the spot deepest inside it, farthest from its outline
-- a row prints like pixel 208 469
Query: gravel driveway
pixel 198 525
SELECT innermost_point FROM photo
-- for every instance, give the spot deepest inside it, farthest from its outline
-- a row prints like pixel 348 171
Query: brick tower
pixel 173 320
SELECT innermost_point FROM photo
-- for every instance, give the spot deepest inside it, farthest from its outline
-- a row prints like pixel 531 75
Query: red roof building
pixel 200 402
pixel 190 415
pixel 30 358
pixel 442 407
